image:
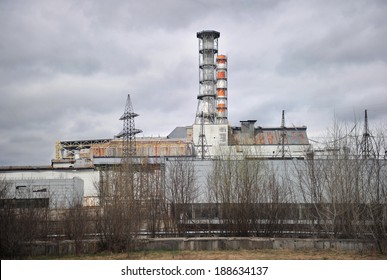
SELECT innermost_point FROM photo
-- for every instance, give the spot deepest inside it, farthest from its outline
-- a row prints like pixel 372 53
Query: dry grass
pixel 270 254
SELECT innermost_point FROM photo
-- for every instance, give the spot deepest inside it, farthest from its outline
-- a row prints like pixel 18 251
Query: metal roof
pixel 179 132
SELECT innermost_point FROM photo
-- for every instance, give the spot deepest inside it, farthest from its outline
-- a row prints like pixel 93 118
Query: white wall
pixel 89 176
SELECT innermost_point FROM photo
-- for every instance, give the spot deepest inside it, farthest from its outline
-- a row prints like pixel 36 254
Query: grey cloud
pixel 354 35
pixel 44 40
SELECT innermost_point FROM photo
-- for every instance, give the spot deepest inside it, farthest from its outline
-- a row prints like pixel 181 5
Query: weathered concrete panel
pixel 221 243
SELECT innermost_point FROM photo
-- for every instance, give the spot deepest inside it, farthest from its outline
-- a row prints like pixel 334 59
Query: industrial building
pixel 210 137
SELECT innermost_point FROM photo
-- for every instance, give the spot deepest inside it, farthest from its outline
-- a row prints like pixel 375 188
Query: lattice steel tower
pixel 208 48
pixel 282 138
pixel 202 148
pixel 129 131
pixel 367 149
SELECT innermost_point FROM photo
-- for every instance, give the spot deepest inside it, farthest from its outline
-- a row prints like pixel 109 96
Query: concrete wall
pixel 217 243
pixel 235 243
pixel 62 193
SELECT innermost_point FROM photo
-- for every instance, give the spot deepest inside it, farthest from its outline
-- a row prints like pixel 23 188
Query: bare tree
pixel 21 221
pixel 150 181
pixel 181 192
pixel 344 190
pixel 77 225
pixel 250 196
pixel 119 218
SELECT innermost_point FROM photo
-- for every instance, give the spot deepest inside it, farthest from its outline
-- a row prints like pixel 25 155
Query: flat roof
pixel 39 167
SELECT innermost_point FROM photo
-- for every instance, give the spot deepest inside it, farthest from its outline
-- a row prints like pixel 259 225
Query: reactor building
pixel 210 137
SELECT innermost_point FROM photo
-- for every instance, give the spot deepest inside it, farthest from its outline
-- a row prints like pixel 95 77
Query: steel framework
pixel 367 149
pixel 66 149
pixel 202 147
pixel 283 137
pixel 129 131
pixel 208 48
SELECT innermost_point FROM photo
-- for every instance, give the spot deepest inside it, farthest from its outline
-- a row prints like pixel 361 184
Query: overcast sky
pixel 66 67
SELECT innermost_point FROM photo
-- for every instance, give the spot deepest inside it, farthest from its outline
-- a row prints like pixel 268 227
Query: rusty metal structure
pixel 68 149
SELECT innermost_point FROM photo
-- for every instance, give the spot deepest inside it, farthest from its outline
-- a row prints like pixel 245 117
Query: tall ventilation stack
pixel 221 89
pixel 208 48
